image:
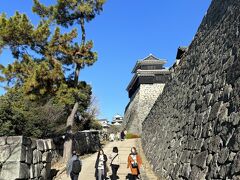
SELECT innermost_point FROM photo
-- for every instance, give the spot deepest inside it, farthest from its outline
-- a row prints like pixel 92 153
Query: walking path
pixel 88 169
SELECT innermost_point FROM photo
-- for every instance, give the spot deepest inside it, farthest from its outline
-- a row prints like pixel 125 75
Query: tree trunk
pixel 82 23
pixel 67 149
pixel 76 74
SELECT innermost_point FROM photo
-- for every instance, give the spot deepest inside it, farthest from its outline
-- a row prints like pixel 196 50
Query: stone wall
pixel 193 130
pixel 25 158
pixel 140 105
pixel 86 141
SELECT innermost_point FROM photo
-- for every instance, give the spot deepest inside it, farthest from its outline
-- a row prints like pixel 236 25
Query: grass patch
pixel 132 136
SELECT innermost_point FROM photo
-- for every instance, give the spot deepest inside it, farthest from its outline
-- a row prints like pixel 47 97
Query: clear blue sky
pixel 126 31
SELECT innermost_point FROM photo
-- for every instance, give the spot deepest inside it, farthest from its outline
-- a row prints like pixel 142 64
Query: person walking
pixel 115 163
pixel 111 137
pixel 101 166
pixel 135 163
pixel 122 135
pixel 74 166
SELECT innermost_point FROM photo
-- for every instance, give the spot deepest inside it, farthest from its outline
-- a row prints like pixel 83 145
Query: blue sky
pixel 126 31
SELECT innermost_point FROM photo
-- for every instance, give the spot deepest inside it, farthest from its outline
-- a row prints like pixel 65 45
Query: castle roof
pixel 146 73
pixel 150 59
pixel 117 116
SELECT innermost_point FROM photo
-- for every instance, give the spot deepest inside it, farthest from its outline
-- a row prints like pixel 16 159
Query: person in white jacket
pixel 111 137
pixel 114 163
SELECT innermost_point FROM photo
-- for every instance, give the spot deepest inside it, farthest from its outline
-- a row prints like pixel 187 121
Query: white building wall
pixel 141 105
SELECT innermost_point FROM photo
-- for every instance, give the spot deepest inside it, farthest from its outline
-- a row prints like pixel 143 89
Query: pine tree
pixel 49 63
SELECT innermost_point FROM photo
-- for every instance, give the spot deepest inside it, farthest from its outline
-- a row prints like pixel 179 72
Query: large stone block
pixel 234 142
pixel 34 144
pixel 185 157
pixel 198 174
pixel 40 145
pixel 236 164
pixel 224 171
pixel 29 155
pixel 37 156
pixel 47 157
pixel 19 140
pixel 3 140
pixel 14 170
pixel 37 169
pixel 215 143
pixel 32 171
pixel 185 170
pixel 49 145
pixel 13 152
pixel 200 159
pixel 45 173
pixel 215 110
pixel 223 155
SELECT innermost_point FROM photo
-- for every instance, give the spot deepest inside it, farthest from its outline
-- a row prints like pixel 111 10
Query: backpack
pixel 76 166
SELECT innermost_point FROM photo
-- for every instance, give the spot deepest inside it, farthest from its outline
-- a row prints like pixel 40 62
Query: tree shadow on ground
pixel 53 173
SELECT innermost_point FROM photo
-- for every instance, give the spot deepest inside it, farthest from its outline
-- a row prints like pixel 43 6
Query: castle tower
pixel 146 85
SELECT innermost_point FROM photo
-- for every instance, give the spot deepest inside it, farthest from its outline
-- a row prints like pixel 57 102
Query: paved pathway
pixel 124 147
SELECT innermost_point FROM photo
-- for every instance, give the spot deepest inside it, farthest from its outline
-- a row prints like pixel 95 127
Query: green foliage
pixel 95 125
pixel 19 116
pixel 131 136
pixel 68 12
pixel 18 33
pixel 87 124
pixel 46 71
pixel 47 64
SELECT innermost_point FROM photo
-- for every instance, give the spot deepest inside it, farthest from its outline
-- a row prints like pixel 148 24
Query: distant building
pixel 117 120
pixel 105 124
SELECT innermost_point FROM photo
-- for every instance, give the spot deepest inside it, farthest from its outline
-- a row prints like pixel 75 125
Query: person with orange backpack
pixel 134 163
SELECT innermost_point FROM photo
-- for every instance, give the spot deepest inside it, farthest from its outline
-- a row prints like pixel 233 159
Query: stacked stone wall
pixel 25 158
pixel 141 105
pixel 86 141
pixel 193 130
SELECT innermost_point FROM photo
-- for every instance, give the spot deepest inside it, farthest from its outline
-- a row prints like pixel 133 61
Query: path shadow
pixel 131 177
pixel 53 173
pixel 111 178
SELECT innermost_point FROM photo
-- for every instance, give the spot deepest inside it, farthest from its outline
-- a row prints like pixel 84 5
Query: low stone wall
pixel 86 141
pixel 25 158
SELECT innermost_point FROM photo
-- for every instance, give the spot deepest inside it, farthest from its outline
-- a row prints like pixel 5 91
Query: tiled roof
pixel 151 57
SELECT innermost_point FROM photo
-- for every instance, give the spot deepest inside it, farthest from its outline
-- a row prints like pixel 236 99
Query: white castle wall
pixel 140 105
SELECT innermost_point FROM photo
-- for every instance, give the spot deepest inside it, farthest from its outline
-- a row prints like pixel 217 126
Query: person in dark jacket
pixel 74 166
pixel 101 166
pixel 122 134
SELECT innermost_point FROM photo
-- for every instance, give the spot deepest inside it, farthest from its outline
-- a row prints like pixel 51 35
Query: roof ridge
pixel 150 57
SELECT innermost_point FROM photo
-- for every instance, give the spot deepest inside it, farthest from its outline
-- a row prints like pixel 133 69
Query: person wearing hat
pixel 74 166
